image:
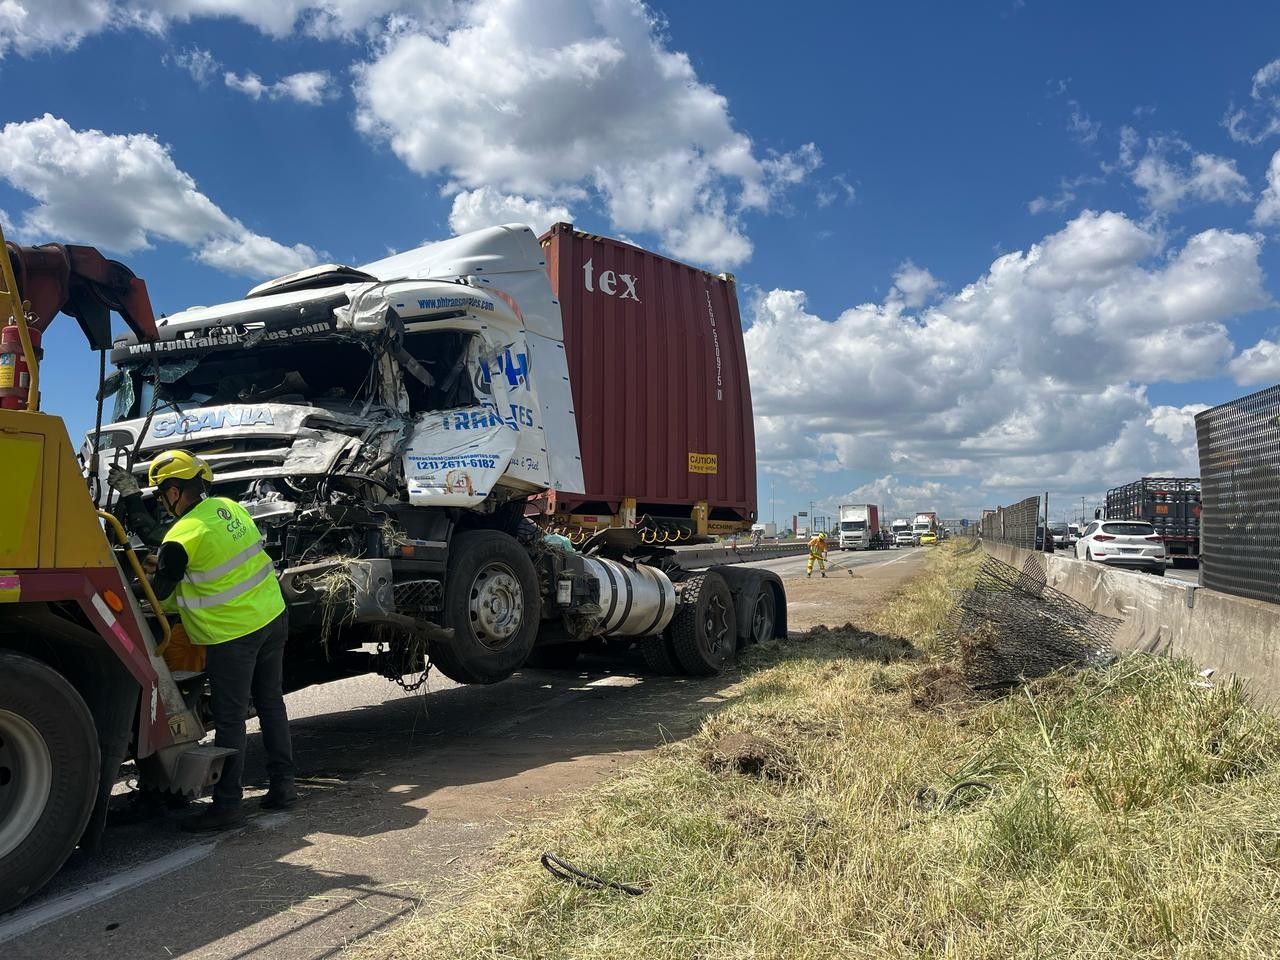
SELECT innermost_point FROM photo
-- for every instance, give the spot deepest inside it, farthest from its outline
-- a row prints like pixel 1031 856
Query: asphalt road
pixel 404 795
pixel 836 560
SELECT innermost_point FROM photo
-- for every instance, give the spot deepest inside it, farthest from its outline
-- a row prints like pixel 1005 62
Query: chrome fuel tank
pixel 635 601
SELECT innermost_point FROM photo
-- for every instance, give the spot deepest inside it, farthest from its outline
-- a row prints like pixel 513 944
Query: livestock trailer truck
pixel 1170 504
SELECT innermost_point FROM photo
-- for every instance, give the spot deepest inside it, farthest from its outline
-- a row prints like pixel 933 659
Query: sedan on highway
pixel 1132 544
pixel 928 539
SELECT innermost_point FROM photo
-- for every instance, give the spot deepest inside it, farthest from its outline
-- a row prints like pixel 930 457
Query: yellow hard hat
pixel 822 536
pixel 177 465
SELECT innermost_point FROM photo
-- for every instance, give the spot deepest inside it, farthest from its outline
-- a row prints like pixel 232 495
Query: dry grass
pixel 1127 812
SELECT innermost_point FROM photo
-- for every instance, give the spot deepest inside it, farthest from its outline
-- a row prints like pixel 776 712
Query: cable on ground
pixel 564 870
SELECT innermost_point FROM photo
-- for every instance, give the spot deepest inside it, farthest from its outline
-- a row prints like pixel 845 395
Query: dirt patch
pixel 863 644
pixel 748 755
pixel 840 597
pixel 939 687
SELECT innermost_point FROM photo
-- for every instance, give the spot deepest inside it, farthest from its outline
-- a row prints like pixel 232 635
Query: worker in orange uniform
pixel 818 552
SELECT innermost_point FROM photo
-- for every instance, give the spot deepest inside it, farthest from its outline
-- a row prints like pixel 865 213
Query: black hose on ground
pixel 564 870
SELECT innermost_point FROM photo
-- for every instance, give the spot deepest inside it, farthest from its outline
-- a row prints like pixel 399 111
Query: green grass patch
pixel 1126 812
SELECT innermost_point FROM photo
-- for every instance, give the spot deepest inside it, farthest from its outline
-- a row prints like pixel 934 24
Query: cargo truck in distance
pixel 859 526
pixel 901 530
pixel 394 430
pixel 1170 504
pixel 923 523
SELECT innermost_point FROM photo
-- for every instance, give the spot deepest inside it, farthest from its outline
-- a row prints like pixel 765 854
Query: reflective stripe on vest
pixel 222 569
pixel 229 589
pixel 239 590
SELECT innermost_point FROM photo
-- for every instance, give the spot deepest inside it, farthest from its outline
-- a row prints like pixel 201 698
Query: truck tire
pixel 704 630
pixel 49 768
pixel 764 616
pixel 659 655
pixel 492 604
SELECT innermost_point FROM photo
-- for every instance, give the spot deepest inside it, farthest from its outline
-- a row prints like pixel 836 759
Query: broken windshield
pixel 306 370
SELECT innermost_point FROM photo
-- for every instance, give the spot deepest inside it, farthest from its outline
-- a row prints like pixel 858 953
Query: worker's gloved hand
pixel 122 481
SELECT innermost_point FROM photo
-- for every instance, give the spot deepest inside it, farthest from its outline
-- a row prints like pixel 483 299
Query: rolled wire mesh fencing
pixel 1239 446
pixel 1011 627
pixel 1014 525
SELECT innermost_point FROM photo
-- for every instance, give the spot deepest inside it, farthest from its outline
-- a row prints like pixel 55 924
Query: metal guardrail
pixel 708 556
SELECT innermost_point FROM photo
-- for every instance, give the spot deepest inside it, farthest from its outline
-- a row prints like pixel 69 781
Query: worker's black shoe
pixel 214 817
pixel 279 798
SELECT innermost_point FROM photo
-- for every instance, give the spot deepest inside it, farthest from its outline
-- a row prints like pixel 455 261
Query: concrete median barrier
pixel 709 556
pixel 1230 635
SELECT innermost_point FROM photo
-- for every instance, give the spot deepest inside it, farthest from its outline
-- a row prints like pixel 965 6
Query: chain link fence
pixel 1011 626
pixel 1015 525
pixel 1239 446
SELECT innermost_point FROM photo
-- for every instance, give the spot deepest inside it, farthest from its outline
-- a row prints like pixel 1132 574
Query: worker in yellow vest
pixel 818 553
pixel 212 567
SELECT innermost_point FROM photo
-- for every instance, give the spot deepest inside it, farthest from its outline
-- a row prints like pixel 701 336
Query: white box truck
pixel 859 524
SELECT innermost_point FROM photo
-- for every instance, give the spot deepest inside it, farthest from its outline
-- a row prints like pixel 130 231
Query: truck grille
pixel 417 597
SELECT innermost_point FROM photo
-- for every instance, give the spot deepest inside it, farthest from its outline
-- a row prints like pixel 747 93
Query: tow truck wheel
pixel 491 603
pixel 704 630
pixel 48 774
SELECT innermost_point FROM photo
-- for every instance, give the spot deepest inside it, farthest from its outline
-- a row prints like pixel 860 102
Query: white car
pixel 1123 543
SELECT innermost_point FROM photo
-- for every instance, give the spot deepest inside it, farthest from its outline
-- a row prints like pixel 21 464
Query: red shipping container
pixel 660 387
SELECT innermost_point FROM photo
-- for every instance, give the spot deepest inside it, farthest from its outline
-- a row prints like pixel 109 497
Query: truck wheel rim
pixel 497 605
pixel 761 619
pixel 716 625
pixel 26 778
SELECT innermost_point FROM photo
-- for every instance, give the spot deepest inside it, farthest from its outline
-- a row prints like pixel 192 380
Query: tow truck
pixel 83 684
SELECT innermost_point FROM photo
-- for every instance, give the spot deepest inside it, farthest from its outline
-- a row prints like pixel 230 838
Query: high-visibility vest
pixel 817 547
pixel 230 588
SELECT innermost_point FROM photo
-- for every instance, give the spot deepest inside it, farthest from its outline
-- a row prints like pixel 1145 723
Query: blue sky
pixel 984 249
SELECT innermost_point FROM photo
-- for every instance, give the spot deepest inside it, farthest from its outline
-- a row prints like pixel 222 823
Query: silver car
pixel 1133 544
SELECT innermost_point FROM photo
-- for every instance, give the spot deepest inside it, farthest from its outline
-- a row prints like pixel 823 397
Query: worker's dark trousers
pixel 251 665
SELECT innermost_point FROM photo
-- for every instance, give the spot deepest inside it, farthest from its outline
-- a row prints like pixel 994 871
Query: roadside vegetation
pixel 854 799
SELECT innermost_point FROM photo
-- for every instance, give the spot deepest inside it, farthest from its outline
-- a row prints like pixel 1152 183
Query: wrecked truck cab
pixel 369 419
pixel 390 428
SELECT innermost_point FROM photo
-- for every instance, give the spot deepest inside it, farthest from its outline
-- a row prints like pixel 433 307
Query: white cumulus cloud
pixel 29 26
pixel 1257 365
pixel 124 192
pixel 1260 118
pixel 1267 212
pixel 311 87
pixel 1034 372
pixel 561 100
pixel 486 207
pixel 1167 183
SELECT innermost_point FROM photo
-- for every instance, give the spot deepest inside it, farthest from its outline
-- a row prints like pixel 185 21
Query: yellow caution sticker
pixel 704 463
pixel 10 586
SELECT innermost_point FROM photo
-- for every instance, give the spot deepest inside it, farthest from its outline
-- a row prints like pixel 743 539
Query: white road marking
pixel 24 921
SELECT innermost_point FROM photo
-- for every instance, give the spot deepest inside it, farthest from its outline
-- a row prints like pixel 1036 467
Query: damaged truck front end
pixel 384 427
